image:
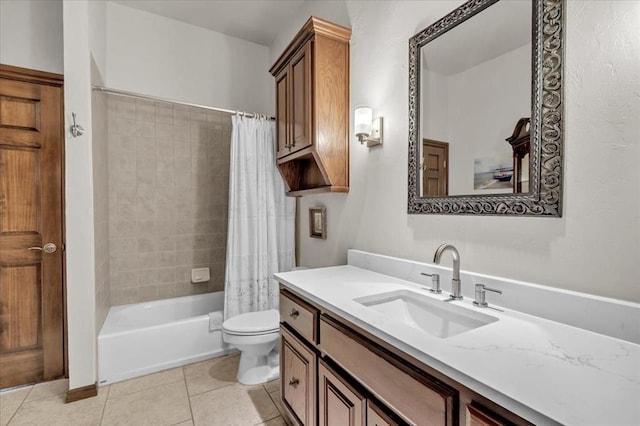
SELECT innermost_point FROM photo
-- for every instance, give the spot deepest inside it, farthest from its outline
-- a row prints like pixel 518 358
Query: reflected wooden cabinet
pixel 312 109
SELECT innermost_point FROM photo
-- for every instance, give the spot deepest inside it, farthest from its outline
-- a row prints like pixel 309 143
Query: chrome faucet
pixel 456 288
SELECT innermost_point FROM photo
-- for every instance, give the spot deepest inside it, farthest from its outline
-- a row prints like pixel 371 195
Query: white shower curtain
pixel 260 238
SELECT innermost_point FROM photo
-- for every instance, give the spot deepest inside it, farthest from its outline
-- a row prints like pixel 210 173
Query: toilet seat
pixel 253 323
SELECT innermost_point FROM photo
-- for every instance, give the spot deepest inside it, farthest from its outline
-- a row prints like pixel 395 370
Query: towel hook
pixel 76 129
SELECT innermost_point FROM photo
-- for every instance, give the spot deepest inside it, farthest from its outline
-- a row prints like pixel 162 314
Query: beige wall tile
pixel 123 126
pixel 124 107
pixel 164 112
pixel 148 293
pixel 166 275
pixel 167 291
pixel 162 192
pixel 145 110
pixel 147 277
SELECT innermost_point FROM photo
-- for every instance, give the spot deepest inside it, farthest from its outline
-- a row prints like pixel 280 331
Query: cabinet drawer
pixel 300 316
pixel 298 379
pixel 413 396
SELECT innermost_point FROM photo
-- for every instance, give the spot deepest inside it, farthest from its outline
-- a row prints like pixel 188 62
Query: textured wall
pixel 31 34
pixel 101 205
pixel 593 248
pixel 154 55
pixel 168 191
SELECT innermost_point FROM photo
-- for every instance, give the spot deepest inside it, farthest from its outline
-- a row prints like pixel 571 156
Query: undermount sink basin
pixel 436 317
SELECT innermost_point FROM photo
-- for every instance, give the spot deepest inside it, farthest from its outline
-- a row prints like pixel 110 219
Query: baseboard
pixel 81 393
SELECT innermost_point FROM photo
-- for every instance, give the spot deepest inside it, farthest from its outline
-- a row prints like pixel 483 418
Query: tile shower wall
pixel 168 192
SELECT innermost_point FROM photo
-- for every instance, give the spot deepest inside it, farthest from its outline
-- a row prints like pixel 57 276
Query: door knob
pixel 47 248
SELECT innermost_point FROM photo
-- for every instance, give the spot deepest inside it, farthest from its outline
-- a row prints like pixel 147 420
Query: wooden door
pixel 339 403
pixel 300 100
pixel 31 199
pixel 282 102
pixel 435 179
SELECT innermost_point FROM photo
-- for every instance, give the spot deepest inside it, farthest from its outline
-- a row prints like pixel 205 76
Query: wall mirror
pixel 485 110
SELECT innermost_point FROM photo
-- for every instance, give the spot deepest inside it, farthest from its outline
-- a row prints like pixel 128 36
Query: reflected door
pixel 31 261
pixel 435 180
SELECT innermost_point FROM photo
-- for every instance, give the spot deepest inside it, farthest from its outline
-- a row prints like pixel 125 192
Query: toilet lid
pixel 261 322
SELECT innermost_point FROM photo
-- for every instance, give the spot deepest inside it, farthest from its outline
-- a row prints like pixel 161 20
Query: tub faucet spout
pixel 456 288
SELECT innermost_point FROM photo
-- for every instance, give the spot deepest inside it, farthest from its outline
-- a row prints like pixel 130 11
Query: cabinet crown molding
pixel 313 26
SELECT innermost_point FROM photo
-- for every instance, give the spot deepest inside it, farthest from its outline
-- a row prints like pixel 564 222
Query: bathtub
pixel 143 338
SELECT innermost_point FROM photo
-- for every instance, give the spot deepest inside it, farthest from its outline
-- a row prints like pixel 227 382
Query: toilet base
pixel 254 370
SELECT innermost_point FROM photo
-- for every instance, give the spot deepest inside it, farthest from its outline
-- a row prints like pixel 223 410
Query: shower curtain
pixel 261 224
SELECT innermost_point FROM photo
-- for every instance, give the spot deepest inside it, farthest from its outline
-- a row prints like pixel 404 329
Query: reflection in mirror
pixel 475 83
pixel 485 110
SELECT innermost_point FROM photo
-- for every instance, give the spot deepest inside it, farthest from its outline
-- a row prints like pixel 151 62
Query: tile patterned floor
pixel 201 394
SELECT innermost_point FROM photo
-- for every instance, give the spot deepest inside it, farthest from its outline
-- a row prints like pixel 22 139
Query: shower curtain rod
pixel 158 99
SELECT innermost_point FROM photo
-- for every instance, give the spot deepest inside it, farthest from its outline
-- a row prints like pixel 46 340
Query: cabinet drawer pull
pixel 294 382
pixel 294 313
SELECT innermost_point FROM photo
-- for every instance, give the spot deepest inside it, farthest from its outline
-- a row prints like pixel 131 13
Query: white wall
pixel 98 40
pixel 593 248
pixel 31 34
pixel 154 55
pixel 79 216
pixel 484 106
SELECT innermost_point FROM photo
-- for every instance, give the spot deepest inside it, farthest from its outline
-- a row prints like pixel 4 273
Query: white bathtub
pixel 143 338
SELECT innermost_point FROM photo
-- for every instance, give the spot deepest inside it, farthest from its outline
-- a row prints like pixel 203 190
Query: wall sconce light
pixel 367 128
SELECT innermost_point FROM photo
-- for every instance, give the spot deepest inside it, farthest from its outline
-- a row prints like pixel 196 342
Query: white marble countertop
pixel 545 371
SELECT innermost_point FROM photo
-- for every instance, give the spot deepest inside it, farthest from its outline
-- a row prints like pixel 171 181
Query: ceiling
pixel 500 28
pixel 258 21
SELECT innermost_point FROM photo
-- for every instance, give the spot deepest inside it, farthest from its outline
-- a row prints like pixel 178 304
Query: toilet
pixel 255 335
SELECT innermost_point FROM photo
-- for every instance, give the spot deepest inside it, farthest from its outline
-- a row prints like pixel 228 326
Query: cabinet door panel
pixel 480 416
pixel 377 417
pixel 298 379
pixel 282 130
pixel 339 403
pixel 300 109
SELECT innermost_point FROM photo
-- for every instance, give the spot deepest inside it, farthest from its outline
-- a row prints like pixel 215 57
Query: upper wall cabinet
pixel 312 109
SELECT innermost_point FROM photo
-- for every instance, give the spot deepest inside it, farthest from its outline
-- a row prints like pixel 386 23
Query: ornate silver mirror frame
pixel 545 195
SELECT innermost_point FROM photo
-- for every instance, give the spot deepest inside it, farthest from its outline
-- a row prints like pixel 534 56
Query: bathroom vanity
pixel 364 347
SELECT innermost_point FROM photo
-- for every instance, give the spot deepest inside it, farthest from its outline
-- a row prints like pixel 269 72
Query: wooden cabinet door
pixel 377 417
pixel 477 415
pixel 282 114
pixel 339 404
pixel 31 280
pixel 300 100
pixel 297 379
pixel 415 397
